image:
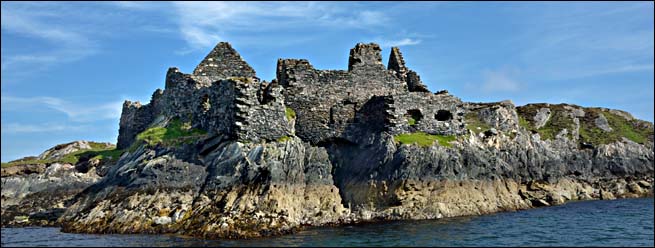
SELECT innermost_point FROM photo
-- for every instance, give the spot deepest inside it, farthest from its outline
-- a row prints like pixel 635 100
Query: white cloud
pixel 397 43
pixel 40 128
pixel 75 112
pixel 203 24
pixel 64 43
pixel 500 80
pixel 132 5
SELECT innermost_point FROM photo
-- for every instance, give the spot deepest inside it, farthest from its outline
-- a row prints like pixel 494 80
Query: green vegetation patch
pixel 524 123
pixel 106 154
pixel 474 123
pixel 175 133
pixel 635 130
pixel 283 139
pixel 290 113
pixel 411 121
pixel 558 121
pixel 423 139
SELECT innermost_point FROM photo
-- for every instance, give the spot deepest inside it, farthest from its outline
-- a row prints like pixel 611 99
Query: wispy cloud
pixel 503 80
pixel 77 112
pixel 64 43
pixel 41 128
pixel 202 24
pixel 586 40
pixel 401 42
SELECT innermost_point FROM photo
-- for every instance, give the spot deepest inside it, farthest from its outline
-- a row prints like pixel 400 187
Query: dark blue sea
pixel 625 222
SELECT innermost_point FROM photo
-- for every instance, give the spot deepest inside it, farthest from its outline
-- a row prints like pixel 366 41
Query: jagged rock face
pixel 235 190
pixel 601 122
pixel 542 117
pixel 42 196
pixel 316 147
pixel 36 190
pixel 501 116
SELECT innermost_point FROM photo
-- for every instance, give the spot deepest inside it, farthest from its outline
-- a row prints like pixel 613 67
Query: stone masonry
pixel 224 96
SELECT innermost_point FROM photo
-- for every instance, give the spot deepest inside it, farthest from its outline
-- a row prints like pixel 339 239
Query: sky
pixel 68 66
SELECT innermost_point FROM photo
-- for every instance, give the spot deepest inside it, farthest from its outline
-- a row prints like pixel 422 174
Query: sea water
pixel 624 222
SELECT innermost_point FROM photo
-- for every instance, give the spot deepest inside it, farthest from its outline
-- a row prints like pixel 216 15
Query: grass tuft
pixel 106 154
pixel 290 113
pixel 411 121
pixel 175 133
pixel 474 123
pixel 423 139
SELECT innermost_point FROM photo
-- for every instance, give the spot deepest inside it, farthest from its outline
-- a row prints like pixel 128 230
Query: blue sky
pixel 67 67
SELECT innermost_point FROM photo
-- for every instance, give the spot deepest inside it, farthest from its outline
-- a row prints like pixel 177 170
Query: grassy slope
pixel 175 133
pixel 635 130
pixel 98 151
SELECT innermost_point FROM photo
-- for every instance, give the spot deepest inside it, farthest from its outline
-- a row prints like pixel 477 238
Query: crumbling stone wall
pixel 441 114
pixel 411 78
pixel 224 62
pixel 260 112
pixel 224 96
pixel 325 101
pixel 135 118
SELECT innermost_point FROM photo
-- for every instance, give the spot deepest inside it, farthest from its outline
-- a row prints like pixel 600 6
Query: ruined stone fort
pixel 224 96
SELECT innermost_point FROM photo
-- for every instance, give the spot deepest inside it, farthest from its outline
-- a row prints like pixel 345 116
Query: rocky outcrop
pixel 37 190
pixel 224 155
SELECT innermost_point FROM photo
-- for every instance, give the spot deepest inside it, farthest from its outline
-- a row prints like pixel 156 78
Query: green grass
pixel 100 152
pixel 524 123
pixel 290 113
pixel 474 123
pixel 424 139
pixel 635 130
pixel 112 154
pixel 283 139
pixel 557 122
pixel 411 121
pixel 621 127
pixel 174 133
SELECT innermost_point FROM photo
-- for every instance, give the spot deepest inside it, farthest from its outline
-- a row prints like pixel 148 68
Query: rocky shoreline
pixel 219 154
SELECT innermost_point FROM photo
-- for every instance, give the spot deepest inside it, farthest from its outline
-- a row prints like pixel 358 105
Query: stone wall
pixel 260 112
pixel 326 101
pixel 223 62
pixel 410 77
pixel 135 118
pixel 441 114
pixel 223 96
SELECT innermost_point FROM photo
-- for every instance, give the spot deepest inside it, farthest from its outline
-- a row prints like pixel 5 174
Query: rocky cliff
pixel 37 190
pixel 217 153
